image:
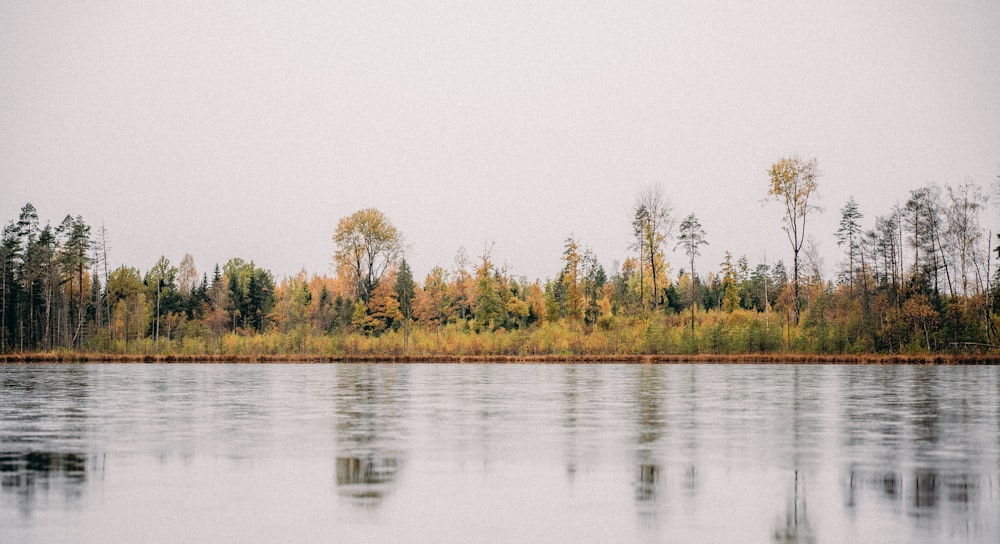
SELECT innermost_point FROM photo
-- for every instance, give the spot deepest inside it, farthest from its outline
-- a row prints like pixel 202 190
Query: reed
pixel 747 358
pixel 737 337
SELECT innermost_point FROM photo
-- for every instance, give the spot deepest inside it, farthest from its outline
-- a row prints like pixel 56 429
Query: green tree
pixel 74 260
pixel 923 220
pixel 360 320
pixel 555 299
pixel 161 286
pixel 692 237
pixel 125 290
pixel 793 184
pixel 730 286
pixel 260 294
pixel 405 293
pixel 9 256
pixel 593 286
pixel 41 264
pixel 26 232
pixel 252 293
pixel 487 304
pixel 849 234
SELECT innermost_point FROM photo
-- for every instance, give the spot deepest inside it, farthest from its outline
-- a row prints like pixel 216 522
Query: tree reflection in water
pixel 922 495
pixel 645 485
pixel 571 400
pixel 25 475
pixel 366 481
pixel 796 528
pixel 650 434
pixel 370 407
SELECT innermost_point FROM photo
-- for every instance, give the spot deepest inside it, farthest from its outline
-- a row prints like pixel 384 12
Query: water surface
pixel 499 453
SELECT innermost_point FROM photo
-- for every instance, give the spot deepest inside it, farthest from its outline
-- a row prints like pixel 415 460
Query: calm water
pixel 495 453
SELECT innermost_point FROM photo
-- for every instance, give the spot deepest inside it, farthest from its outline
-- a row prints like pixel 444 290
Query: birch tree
pixel 793 184
pixel 653 226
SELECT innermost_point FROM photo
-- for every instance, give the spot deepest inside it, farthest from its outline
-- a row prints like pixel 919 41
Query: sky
pixel 248 129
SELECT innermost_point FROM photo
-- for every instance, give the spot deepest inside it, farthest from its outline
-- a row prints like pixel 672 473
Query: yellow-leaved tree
pixel 367 245
pixel 793 183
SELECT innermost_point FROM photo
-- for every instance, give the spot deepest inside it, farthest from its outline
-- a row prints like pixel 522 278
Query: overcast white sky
pixel 247 129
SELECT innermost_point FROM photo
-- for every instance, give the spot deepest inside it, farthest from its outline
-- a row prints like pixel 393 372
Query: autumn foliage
pixel 920 280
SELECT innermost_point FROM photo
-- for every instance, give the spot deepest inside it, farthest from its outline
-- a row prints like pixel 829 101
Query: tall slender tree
pixel 923 219
pixel 964 233
pixel 571 278
pixel 26 231
pixel 9 253
pixel 594 278
pixel 793 184
pixel 187 275
pixel 161 284
pixel 488 306
pixel 849 234
pixel 639 219
pixel 405 293
pixel 74 258
pixel 653 226
pixel 103 245
pixel 691 238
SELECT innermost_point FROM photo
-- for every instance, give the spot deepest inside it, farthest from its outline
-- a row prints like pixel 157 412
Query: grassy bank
pixel 737 337
pixel 758 358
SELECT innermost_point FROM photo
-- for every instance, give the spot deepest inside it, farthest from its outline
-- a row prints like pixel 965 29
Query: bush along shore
pixel 639 342
pixel 783 358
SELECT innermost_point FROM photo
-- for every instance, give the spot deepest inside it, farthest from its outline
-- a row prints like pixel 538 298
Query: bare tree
pixel 187 275
pixel 653 228
pixel 849 234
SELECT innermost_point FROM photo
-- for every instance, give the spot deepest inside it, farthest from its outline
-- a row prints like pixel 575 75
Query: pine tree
pixel 849 234
pixel 405 293
pixel 74 259
pixel 487 301
pixel 691 238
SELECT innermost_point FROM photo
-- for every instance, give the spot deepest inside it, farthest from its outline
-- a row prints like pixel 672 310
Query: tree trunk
pixel 642 284
pixel 3 309
pixel 46 339
pixel 656 290
pixel 79 309
pixel 944 261
pixel 406 336
pixel 31 314
pixel 795 281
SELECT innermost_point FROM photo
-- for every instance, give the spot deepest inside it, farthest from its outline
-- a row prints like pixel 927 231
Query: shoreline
pixel 748 358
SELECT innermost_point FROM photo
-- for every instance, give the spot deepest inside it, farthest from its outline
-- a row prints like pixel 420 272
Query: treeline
pixel 918 278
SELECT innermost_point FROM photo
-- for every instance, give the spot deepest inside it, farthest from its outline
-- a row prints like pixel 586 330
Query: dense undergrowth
pixel 719 333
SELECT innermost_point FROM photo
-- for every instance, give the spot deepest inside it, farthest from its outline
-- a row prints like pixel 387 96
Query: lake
pixel 499 453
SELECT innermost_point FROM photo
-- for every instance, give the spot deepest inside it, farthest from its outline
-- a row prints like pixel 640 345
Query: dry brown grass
pixel 754 358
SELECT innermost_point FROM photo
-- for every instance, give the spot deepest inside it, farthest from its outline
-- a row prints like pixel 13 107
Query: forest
pixel 919 278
